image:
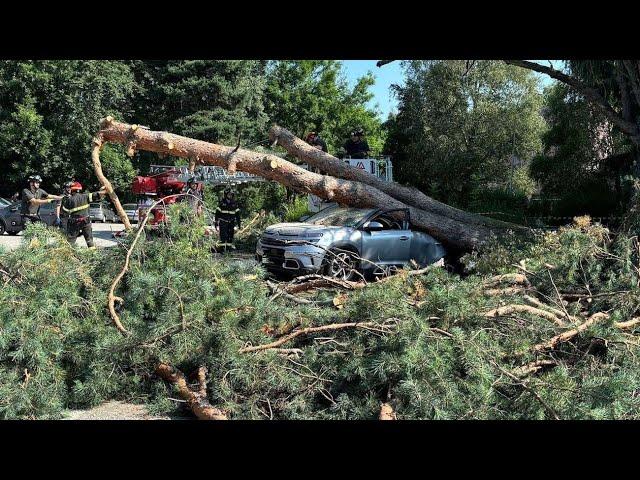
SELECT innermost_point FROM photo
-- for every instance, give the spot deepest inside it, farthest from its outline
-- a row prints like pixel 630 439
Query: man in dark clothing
pixel 75 211
pixel 316 141
pixel 357 146
pixel 32 198
pixel 195 196
pixel 227 215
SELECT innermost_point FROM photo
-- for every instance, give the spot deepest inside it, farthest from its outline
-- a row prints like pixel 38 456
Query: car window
pixel 130 206
pixel 393 220
pixel 341 217
pixel 94 205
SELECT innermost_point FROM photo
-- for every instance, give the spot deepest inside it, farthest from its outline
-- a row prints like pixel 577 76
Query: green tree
pixel 305 95
pixel 582 154
pixel 459 124
pixel 49 111
pixel 212 100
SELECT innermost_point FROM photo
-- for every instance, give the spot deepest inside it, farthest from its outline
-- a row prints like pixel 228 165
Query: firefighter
pixel 196 196
pixel 357 146
pixel 32 198
pixel 75 210
pixel 315 140
pixel 227 215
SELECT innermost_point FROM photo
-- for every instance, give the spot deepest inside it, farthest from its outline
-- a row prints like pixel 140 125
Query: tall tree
pixel 611 86
pixel 49 111
pixel 460 123
pixel 212 100
pixel 584 158
pixel 305 95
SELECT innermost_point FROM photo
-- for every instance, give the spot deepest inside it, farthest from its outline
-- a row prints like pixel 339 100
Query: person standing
pixel 32 198
pixel 227 215
pixel 357 146
pixel 315 140
pixel 75 209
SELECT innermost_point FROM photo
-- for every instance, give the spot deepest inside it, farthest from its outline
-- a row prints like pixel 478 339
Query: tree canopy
pixel 459 124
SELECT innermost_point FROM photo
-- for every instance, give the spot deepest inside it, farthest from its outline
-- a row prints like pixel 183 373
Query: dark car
pixel 346 242
pixel 12 222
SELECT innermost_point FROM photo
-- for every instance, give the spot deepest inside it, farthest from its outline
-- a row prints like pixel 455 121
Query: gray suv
pixel 345 243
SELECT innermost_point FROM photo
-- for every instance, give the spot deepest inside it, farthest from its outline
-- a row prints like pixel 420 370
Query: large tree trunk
pixel 453 233
pixel 411 196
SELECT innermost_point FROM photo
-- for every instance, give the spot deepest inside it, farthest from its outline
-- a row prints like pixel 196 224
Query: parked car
pixel 102 212
pixel 131 209
pixel 4 202
pixel 12 222
pixel 345 243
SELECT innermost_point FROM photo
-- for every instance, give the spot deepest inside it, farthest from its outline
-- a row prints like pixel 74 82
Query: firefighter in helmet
pixel 32 198
pixel 227 215
pixel 75 211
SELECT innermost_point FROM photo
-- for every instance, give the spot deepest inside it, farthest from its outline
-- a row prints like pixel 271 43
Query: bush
pixel 296 209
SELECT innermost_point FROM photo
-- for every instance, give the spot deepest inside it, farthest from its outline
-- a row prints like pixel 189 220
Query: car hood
pixel 298 229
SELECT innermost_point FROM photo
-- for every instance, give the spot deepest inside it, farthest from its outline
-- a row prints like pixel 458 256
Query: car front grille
pixel 272 241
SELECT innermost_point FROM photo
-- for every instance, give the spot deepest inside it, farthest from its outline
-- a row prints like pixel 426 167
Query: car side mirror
pixel 372 226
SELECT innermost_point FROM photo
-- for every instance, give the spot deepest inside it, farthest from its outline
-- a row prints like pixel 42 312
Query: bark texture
pixel 97 166
pixel 411 196
pixel 196 399
pixel 453 233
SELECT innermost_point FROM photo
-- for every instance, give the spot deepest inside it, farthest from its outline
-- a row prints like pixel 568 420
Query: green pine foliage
pixel 435 355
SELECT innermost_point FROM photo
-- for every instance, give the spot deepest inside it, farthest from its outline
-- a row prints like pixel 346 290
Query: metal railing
pixel 208 174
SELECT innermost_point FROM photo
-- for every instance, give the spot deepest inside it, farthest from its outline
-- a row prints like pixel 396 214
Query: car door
pixel 392 244
pixel 12 218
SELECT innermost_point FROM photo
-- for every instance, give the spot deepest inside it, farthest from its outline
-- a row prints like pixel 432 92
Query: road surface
pixel 102 233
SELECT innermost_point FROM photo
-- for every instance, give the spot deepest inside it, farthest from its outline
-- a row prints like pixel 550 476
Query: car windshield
pixel 94 205
pixel 130 206
pixel 341 217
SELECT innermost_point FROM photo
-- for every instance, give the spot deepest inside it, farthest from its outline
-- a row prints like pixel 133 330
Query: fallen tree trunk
pixel 411 196
pixel 453 233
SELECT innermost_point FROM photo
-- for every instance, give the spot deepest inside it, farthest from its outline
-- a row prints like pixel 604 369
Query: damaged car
pixel 347 243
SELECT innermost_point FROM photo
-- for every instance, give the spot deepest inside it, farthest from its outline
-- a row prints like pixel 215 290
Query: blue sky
pixel 392 73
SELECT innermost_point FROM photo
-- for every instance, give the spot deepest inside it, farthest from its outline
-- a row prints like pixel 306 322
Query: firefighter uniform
pixel 227 215
pixel 75 212
pixel 29 211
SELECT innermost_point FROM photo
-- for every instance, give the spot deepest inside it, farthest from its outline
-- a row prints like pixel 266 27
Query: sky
pixel 392 73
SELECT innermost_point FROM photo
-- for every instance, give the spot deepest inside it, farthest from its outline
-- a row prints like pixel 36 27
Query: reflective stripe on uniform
pixel 228 211
pixel 77 209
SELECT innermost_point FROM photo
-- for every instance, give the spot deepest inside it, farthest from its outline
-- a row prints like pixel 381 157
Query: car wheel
pixel 341 264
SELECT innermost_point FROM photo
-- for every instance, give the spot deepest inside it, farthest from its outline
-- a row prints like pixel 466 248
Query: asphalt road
pixel 101 233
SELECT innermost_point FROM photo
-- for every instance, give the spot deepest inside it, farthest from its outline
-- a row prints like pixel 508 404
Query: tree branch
pixel 588 92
